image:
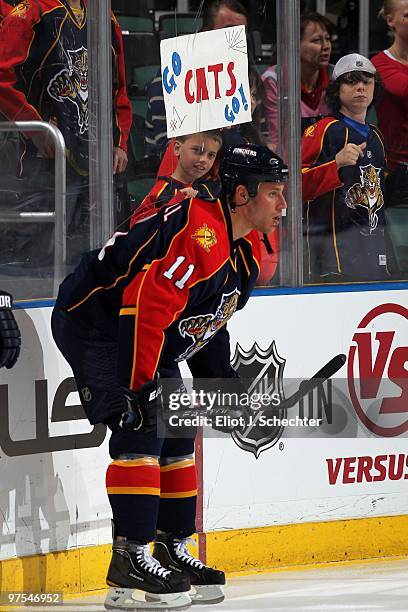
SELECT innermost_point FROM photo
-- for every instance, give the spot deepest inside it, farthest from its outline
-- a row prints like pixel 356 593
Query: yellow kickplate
pixel 307 543
pixel 84 569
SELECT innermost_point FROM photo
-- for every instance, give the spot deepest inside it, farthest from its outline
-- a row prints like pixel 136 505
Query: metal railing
pixel 58 216
pixel 288 47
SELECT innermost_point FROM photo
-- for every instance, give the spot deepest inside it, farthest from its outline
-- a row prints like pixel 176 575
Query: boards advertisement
pixel 351 464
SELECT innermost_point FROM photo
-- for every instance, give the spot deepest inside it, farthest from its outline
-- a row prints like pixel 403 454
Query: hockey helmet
pixel 249 165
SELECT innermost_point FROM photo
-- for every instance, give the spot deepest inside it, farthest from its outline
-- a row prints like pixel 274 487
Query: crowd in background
pixel 40 80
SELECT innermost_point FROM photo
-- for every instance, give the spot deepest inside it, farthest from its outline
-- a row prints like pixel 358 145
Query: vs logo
pixel 377 370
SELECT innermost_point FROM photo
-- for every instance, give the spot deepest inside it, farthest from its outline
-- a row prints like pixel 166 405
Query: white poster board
pixel 205 81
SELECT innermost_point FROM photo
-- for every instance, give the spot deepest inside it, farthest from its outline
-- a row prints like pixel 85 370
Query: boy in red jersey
pixel 186 169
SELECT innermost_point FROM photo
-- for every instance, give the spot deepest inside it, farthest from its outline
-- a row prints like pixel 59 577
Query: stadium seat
pixel 130 23
pixel 397 231
pixel 372 116
pixel 136 138
pixel 254 43
pixel 141 77
pixel 260 68
pixel 141 49
pixel 139 105
pixel 174 25
pixel 140 187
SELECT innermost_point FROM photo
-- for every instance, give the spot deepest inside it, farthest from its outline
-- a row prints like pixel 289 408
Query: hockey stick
pixel 326 372
pixel 305 387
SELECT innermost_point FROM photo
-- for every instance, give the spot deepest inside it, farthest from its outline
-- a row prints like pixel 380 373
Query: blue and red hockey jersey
pixel 344 209
pixel 166 290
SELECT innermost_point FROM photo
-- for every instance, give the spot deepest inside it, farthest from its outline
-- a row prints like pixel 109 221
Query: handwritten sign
pixel 205 81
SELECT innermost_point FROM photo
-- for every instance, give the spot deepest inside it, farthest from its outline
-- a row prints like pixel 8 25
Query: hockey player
pixel 343 164
pixel 10 338
pixel 153 297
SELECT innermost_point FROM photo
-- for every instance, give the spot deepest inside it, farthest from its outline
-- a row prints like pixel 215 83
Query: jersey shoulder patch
pixel 208 227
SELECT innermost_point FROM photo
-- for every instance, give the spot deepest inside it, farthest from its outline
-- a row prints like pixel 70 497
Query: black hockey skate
pixel 133 568
pixel 206 582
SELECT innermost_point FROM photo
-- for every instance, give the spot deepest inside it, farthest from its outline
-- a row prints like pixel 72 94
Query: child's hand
pixel 189 192
pixel 350 154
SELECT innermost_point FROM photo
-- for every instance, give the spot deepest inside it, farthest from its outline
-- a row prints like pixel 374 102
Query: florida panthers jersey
pixel 344 213
pixel 44 73
pixel 168 190
pixel 166 290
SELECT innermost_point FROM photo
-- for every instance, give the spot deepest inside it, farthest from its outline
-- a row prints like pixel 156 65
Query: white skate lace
pixel 150 564
pixel 183 554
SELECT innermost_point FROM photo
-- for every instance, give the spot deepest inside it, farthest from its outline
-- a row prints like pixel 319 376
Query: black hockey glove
pixel 142 408
pixel 10 337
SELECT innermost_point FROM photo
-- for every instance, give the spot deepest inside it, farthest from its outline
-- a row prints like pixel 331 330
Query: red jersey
pixel 166 290
pixel 318 177
pixel 392 107
pixel 344 215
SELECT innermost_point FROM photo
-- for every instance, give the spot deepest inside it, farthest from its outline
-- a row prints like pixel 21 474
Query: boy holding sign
pixel 185 172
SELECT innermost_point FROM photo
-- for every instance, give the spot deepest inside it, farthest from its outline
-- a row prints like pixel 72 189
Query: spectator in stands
pixel 254 132
pixel 315 70
pixel 342 178
pixel 186 171
pixel 392 107
pixel 217 14
pixel 44 81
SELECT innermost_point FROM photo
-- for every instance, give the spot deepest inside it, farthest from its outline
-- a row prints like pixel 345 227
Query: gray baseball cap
pixel 352 63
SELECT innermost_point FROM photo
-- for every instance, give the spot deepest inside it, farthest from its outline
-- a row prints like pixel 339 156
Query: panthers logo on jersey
pixel 203 327
pixel 71 84
pixel 367 193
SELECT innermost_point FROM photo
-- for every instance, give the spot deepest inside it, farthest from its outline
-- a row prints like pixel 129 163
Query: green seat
pixel 170 26
pixel 140 187
pixel 136 137
pixel 129 23
pixel 139 105
pixel 372 116
pixel 397 232
pixel 260 68
pixel 141 77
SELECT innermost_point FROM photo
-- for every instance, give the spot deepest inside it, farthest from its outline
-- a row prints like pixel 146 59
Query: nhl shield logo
pixel 265 368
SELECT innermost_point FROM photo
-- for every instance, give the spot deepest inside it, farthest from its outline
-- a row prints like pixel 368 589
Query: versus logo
pixel 265 368
pixel 351 470
pixel 377 374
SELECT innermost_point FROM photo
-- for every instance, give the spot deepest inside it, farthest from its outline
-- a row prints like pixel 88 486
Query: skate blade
pixel 133 599
pixel 207 594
